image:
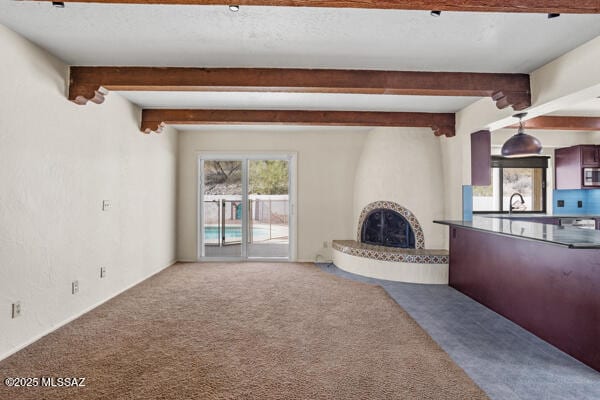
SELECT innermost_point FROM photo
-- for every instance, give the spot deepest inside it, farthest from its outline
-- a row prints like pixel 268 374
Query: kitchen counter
pixel 575 238
pixel 544 277
pixel 534 215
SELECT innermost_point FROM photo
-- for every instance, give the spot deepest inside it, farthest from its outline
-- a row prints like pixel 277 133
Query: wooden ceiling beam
pixel 153 120
pixel 504 6
pixel 560 123
pixel 90 83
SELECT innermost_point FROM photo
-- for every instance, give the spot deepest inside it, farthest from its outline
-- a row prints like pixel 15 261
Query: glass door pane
pixel 268 209
pixel 222 202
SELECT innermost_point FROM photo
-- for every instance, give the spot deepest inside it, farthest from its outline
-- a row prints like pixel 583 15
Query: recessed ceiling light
pixel 58 4
pixel 234 8
pixel 435 13
pixel 553 15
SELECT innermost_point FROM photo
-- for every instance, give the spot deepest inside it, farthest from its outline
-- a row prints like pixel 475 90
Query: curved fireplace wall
pixel 404 165
pixel 384 227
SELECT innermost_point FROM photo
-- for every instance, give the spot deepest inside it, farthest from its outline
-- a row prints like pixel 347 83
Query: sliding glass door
pixel 245 206
pixel 222 207
pixel 268 208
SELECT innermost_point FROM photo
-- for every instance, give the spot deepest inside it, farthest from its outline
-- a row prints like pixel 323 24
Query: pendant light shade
pixel 521 144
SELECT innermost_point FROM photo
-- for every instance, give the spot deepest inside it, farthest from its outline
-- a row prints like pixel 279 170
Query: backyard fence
pixel 268 219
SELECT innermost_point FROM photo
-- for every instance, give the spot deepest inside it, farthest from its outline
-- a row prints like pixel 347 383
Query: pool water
pixel 233 233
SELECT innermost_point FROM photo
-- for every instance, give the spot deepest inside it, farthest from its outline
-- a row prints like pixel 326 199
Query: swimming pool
pixel 233 233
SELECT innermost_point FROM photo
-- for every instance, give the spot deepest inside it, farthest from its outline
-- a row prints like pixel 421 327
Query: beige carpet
pixel 243 331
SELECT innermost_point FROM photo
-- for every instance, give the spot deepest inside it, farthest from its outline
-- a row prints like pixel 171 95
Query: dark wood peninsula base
pixel 551 290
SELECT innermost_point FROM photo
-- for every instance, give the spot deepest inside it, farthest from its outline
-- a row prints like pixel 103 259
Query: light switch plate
pixel 102 272
pixel 106 205
pixel 75 287
pixel 16 309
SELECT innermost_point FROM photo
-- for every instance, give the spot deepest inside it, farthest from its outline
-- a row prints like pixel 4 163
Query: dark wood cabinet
pixel 481 152
pixel 569 163
pixel 590 156
pixel 567 167
pixel 550 290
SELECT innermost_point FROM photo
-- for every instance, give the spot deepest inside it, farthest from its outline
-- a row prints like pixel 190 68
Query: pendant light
pixel 521 144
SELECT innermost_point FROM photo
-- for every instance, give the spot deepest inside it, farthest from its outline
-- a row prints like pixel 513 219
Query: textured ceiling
pixel 212 36
pixel 274 128
pixel 298 101
pixel 93 34
pixel 590 108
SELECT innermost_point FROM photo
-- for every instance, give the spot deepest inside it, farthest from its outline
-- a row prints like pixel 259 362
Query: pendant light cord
pixel 521 129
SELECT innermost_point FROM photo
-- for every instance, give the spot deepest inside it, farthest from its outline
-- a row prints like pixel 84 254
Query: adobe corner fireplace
pixel 390 245
pixel 385 223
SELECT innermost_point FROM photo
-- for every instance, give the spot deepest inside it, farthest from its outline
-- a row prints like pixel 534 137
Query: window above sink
pixel 523 176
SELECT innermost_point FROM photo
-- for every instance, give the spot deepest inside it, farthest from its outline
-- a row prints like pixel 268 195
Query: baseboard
pixel 74 317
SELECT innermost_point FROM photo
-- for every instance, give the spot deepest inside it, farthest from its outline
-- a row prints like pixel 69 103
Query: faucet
pixel 510 207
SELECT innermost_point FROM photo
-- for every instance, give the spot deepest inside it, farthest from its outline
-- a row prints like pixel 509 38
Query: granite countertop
pixel 571 237
pixel 534 215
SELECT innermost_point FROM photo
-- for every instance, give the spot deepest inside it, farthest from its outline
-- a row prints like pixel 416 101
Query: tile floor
pixel 505 360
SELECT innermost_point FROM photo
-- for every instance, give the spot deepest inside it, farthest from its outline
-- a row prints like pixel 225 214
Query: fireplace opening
pixel 384 227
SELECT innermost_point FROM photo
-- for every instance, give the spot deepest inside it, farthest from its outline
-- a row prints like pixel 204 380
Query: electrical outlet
pixel 560 203
pixel 16 309
pixel 106 205
pixel 75 287
pixel 579 204
pixel 102 272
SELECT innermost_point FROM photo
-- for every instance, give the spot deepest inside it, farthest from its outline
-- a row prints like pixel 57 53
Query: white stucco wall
pixel 564 82
pixel 58 161
pixel 403 165
pixel 327 159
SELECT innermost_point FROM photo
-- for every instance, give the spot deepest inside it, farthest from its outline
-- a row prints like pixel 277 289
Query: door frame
pixel 244 156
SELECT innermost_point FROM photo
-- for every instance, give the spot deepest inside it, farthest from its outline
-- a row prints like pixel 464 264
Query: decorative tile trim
pixel 382 253
pixel 405 212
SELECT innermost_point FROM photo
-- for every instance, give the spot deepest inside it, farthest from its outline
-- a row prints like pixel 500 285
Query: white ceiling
pixel 271 128
pixel 298 101
pixel 212 36
pixel 590 108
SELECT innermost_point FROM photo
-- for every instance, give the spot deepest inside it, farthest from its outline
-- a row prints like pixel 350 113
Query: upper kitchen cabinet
pixel 481 153
pixel 590 156
pixel 570 162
